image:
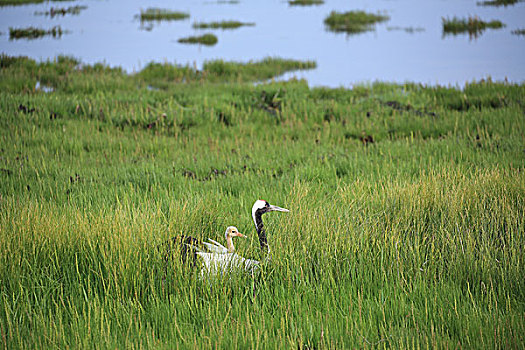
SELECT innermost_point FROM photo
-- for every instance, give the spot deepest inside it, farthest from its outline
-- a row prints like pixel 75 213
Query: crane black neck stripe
pixel 260 228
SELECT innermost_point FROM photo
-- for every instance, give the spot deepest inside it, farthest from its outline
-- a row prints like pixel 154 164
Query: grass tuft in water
pixel 519 31
pixel 305 2
pixel 31 33
pixel 206 39
pixel 353 22
pixel 222 25
pixel 498 3
pixel 159 14
pixel 62 11
pixel 474 26
pixel 26 2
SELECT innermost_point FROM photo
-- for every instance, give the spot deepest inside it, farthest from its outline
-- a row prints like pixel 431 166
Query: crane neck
pixel 229 244
pixel 259 226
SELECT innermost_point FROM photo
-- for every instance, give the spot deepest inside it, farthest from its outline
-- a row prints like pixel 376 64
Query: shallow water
pixel 107 31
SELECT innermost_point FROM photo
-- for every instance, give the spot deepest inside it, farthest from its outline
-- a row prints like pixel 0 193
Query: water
pixel 108 31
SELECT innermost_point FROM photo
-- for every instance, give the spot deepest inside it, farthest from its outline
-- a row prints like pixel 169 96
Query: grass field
pixel 406 224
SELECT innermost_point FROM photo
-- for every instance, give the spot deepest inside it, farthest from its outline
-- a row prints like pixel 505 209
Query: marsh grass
pixel 205 39
pixel 353 22
pixel 414 240
pixel 31 33
pixel 25 2
pixel 159 14
pixel 305 2
pixel 163 75
pixel 62 11
pixel 473 26
pixel 498 3
pixel 222 25
pixel 519 31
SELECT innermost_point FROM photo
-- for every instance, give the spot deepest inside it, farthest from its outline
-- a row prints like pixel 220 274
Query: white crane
pixel 220 259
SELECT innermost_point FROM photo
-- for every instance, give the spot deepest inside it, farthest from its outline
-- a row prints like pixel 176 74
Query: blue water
pixel 107 31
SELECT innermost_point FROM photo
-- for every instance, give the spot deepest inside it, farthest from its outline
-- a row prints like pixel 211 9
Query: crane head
pixel 232 231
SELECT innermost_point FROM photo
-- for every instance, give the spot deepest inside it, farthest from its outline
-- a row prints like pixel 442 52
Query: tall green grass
pixel 412 240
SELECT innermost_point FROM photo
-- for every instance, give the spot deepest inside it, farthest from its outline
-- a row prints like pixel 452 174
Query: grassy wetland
pixel 406 224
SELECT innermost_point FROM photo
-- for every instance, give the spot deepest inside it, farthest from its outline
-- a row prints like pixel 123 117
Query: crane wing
pixel 215 247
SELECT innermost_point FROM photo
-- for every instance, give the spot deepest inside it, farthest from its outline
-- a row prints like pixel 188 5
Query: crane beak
pixel 276 208
pixel 240 235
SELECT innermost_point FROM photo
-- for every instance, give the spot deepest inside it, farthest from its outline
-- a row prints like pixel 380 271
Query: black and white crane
pixel 217 258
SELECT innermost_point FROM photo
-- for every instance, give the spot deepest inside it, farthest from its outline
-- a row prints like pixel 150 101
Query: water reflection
pixel 43 88
pixel 107 31
pixel 410 30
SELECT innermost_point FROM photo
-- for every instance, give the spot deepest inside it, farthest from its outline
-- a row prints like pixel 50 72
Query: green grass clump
pixel 498 3
pixel 158 14
pixel 353 22
pixel 406 225
pixel 305 2
pixel 62 11
pixel 205 39
pixel 473 26
pixel 222 25
pixel 34 33
pixel 254 70
pixel 23 2
pixel 519 31
pixel 161 75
